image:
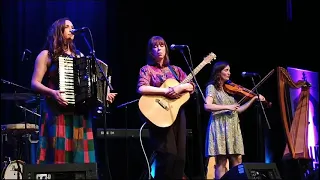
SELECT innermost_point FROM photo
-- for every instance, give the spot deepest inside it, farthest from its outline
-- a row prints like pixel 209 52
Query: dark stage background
pixel 254 36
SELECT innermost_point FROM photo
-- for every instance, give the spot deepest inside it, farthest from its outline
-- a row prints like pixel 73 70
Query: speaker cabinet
pixel 60 171
pixel 253 171
pixel 296 168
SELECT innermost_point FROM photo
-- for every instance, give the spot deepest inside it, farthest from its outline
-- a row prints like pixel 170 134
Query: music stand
pixel 125 105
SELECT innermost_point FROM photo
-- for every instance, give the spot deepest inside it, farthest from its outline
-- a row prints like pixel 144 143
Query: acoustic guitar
pixel 163 111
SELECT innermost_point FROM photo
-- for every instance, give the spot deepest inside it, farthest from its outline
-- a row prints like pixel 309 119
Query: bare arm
pixel 188 87
pixel 245 106
pixel 209 106
pixel 150 90
pixel 40 68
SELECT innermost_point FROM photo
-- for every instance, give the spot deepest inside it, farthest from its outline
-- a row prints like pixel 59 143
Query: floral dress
pixel 223 135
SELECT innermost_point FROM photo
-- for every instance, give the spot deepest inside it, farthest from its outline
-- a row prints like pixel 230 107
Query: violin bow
pixel 253 89
pixel 257 85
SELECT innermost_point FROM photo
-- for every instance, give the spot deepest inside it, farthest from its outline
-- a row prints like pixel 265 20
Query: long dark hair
pixel 215 77
pixel 153 41
pixel 56 44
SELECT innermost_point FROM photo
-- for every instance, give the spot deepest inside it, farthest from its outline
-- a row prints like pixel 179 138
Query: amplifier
pixel 60 171
pixel 253 171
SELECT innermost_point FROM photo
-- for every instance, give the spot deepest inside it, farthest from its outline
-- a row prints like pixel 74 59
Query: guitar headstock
pixel 211 56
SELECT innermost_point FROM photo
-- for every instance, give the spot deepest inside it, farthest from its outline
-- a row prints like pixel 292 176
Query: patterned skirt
pixel 65 139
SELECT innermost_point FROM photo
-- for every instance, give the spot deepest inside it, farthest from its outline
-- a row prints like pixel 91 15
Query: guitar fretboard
pixel 195 71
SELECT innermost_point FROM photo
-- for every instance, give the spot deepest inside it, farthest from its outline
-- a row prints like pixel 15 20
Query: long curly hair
pixel 215 77
pixel 156 40
pixel 56 43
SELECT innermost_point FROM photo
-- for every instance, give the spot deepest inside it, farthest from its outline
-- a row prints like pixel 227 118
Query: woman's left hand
pixel 189 87
pixel 111 97
pixel 261 97
pixel 186 87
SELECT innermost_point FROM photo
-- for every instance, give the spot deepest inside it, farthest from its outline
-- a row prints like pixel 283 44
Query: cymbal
pixel 17 96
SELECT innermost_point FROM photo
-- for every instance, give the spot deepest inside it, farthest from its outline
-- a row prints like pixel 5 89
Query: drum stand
pixel 5 160
pixel 12 169
pixel 16 132
pixel 21 141
pixel 26 137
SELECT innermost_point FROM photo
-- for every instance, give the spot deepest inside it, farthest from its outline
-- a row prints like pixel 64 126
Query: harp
pixel 296 128
pixel 296 156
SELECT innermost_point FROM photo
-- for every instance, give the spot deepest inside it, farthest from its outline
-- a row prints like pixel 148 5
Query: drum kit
pixel 20 138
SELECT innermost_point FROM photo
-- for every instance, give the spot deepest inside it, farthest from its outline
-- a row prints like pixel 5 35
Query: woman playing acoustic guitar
pixel 169 142
pixel 224 138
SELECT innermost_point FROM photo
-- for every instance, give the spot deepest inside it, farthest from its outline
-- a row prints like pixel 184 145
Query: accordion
pixel 81 81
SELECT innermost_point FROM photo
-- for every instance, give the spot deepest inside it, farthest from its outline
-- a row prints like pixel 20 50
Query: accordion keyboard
pixel 66 79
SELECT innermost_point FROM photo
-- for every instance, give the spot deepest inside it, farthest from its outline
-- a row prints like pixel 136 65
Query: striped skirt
pixel 65 139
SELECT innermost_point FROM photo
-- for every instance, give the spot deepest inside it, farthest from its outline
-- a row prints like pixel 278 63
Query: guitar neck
pixel 194 72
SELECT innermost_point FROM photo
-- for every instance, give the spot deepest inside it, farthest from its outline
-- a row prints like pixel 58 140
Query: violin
pixel 233 88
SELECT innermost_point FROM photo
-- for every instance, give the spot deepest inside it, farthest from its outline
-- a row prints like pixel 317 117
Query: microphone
pixel 27 51
pixel 249 74
pixel 24 53
pixel 78 31
pixel 177 47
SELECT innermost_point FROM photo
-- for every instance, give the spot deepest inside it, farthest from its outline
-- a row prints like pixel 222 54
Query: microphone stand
pixel 198 109
pixel 106 80
pixel 259 128
pixel 25 110
pixel 11 83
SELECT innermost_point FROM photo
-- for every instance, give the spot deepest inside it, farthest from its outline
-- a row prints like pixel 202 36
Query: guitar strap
pixel 174 73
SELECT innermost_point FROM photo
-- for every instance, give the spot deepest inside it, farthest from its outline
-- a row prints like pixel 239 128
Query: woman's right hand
pixel 171 93
pixel 56 94
pixel 233 107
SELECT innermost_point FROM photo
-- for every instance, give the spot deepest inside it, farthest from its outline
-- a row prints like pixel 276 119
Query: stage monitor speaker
pixel 60 171
pixel 253 171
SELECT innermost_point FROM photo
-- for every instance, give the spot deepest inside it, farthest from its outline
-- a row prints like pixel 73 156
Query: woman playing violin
pixel 224 139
